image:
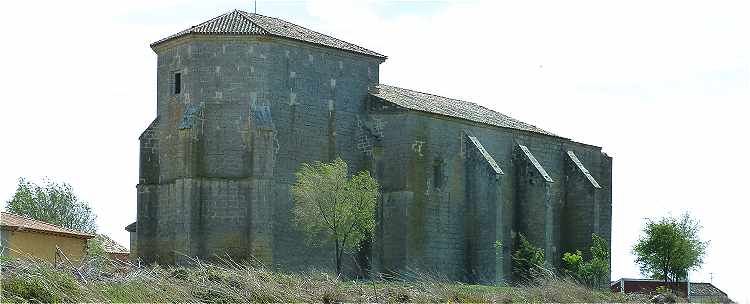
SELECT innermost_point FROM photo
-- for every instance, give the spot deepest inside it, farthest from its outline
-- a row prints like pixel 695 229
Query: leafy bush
pixel 664 295
pixel 528 260
pixel 594 272
pixel 572 263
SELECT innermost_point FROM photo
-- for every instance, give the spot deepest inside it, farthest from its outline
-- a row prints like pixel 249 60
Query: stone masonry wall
pixel 217 164
pixel 250 111
pixel 419 148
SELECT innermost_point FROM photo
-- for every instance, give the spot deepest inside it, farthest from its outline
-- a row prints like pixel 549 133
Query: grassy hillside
pixel 32 281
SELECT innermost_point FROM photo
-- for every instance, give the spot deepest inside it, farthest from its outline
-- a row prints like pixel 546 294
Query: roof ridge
pixel 306 28
pixel 314 31
pixel 46 223
pixel 239 22
pixel 254 14
pixel 448 106
pixel 451 98
pixel 245 15
pixel 461 100
pixel 456 99
pixel 209 20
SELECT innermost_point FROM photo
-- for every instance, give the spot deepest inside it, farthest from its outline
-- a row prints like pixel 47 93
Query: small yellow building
pixel 21 236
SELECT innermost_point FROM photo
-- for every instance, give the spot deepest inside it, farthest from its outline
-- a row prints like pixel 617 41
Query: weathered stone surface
pixel 218 161
pixel 483 217
pixel 537 204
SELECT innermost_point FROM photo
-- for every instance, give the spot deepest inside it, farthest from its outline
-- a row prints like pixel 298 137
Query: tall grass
pixel 28 280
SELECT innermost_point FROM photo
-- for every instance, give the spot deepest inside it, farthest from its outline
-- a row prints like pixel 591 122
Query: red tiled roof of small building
pixel 20 223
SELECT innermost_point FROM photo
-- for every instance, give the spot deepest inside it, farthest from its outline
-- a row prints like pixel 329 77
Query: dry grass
pixel 229 282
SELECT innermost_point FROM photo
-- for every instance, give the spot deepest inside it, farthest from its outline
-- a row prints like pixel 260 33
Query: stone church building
pixel 244 99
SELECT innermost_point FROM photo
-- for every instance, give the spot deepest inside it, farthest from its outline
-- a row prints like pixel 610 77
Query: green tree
pixel 595 271
pixel 54 203
pixel 670 247
pixel 528 260
pixel 328 203
pixel 598 269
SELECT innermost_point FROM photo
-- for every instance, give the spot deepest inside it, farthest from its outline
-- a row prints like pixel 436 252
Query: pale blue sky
pixel 662 86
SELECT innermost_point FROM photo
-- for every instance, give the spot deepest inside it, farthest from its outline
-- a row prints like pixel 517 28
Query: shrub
pixel 572 263
pixel 528 260
pixel 594 272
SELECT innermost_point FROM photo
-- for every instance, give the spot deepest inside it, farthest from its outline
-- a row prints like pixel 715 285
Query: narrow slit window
pixel 177 83
pixel 437 173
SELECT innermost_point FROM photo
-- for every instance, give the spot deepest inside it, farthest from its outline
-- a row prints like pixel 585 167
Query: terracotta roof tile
pixel 17 222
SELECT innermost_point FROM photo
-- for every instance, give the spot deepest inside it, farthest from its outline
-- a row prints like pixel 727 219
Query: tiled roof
pixel 239 22
pixel 705 289
pixel 17 222
pixel 110 245
pixel 424 102
pixel 131 227
pixel 152 127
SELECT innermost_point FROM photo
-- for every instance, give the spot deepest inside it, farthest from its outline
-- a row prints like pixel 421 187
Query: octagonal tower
pixel 243 99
